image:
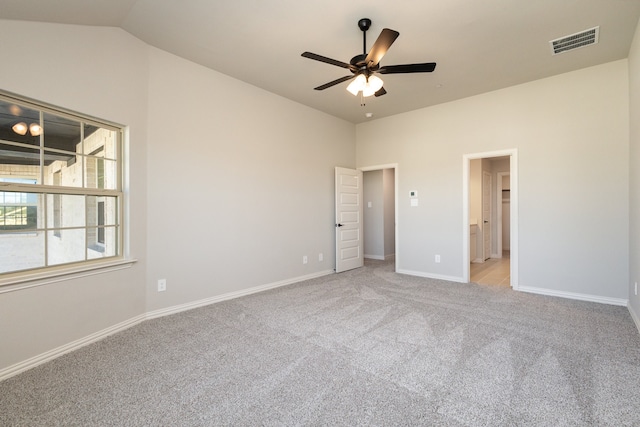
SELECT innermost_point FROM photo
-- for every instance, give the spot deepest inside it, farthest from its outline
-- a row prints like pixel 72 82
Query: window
pixel 60 187
pixel 18 211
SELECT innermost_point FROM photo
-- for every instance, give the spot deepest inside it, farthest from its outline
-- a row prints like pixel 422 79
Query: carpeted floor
pixel 365 347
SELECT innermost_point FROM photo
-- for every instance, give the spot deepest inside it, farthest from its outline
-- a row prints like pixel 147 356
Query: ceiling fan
pixel 364 67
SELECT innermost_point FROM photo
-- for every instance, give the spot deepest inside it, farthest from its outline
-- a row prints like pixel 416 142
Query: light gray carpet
pixel 366 347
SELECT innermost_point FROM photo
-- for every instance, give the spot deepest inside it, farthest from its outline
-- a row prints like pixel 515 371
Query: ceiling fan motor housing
pixel 364 24
pixel 358 61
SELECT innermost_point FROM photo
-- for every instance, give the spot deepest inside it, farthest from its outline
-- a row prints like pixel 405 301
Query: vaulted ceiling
pixel 478 46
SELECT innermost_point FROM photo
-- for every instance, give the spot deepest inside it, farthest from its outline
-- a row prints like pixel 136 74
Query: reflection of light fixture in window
pixel 21 129
pixel 367 85
pixel 15 110
pixel 35 129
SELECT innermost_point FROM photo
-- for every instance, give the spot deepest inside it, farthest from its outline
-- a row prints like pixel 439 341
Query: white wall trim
pixel 378 167
pixel 22 281
pixel 575 296
pixel 232 295
pixel 634 316
pixel 380 257
pixel 74 345
pixel 432 276
pixel 97 336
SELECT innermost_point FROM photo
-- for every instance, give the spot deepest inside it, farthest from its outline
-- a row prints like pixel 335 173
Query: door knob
pixel 339 225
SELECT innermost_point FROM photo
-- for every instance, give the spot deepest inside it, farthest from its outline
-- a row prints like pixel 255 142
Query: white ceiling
pixel 479 45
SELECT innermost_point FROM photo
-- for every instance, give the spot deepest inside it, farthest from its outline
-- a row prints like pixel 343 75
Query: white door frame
pixel 393 166
pixel 513 170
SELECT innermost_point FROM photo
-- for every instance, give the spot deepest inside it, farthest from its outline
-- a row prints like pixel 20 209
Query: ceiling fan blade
pixel 380 47
pixel 326 60
pixel 333 83
pixel 426 67
pixel 380 92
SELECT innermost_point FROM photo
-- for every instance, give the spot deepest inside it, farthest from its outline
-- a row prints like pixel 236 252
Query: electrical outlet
pixel 437 258
pixel 162 285
pixel 320 257
pixel 305 259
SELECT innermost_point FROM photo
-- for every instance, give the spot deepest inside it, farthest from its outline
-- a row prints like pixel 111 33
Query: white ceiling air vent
pixel 575 41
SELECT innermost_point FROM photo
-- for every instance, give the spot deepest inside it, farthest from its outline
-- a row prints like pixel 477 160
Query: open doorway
pixel 379 217
pixel 490 218
pixel 487 177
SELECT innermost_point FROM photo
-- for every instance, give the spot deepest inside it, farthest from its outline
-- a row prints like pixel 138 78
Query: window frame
pixel 48 227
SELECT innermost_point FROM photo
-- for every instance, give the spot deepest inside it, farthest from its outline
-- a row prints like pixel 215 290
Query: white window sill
pixel 22 280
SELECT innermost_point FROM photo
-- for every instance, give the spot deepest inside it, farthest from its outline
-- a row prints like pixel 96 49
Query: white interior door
pixel 349 226
pixel 486 215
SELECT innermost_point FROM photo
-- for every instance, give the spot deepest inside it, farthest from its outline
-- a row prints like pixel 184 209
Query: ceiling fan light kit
pixel 367 85
pixel 364 67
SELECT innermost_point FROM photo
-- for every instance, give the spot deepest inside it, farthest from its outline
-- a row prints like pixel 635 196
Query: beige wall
pixel 573 177
pixel 634 161
pixel 240 184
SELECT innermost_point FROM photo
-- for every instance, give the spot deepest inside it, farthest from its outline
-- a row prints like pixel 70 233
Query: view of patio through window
pixel 60 187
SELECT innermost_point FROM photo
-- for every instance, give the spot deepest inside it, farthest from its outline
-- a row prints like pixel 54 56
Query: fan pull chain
pixel 362 103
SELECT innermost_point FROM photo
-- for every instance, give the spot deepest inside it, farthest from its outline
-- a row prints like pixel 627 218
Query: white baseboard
pixel 97 336
pixel 380 257
pixel 635 316
pixel 573 295
pixel 231 295
pixel 432 276
pixel 74 345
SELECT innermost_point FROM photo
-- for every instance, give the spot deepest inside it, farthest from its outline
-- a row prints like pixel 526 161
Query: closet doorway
pixel 379 217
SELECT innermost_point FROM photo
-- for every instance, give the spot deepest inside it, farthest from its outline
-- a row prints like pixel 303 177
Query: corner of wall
pixel 634 177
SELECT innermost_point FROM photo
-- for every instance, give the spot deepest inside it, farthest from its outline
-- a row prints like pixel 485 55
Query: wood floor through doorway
pixel 494 271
